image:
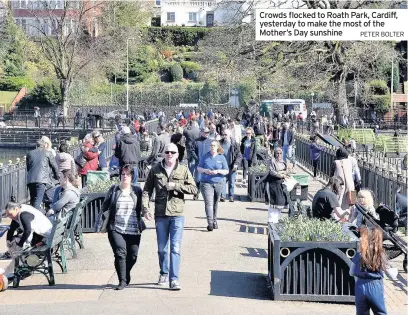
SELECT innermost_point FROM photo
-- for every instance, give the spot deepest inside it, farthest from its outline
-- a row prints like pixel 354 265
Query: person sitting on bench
pixel 325 203
pixel 34 224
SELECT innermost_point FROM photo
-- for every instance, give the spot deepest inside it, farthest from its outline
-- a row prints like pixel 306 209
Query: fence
pixel 13 177
pixel 383 179
pixel 26 121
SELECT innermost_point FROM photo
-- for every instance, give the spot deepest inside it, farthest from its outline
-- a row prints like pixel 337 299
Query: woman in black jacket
pixel 248 151
pixel 124 203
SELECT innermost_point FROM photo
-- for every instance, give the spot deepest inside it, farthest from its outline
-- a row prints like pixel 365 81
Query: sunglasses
pixel 248 133
pixel 279 153
pixel 172 152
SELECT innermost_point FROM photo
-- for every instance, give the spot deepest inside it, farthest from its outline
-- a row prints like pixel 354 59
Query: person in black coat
pixel 123 203
pixel 248 151
pixel 232 153
pixel 127 151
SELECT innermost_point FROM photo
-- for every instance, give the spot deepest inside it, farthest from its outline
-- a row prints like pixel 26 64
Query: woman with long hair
pixel 369 265
pixel 66 196
pixel 213 167
pixel 124 202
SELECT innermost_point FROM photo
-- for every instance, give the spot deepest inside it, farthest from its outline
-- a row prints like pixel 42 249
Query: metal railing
pixel 25 121
pixel 383 179
pixel 13 177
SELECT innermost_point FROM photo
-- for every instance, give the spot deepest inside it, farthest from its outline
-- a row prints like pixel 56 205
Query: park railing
pixel 13 176
pixel 383 179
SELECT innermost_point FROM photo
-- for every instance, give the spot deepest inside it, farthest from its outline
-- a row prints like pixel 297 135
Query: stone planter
pixel 310 271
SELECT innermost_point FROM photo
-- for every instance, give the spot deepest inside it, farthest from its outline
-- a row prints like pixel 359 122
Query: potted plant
pixel 309 260
pixel 95 193
pixel 257 176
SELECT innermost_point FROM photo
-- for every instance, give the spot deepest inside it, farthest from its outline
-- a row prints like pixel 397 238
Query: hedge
pixel 180 36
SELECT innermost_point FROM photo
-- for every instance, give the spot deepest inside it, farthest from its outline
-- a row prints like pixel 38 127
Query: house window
pixel 158 3
pixel 171 16
pixel 192 17
pixel 23 4
pixel 60 4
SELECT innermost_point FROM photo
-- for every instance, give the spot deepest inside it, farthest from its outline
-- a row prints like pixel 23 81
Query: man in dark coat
pixel 42 173
pixel 128 151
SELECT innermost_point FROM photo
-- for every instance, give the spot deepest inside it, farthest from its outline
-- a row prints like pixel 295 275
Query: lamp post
pixel 312 94
pixel 127 74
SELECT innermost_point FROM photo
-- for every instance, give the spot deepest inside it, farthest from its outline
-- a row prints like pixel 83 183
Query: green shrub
pixel 377 95
pixel 304 229
pixel 100 186
pixel 176 72
pixel 48 92
pixel 179 36
pixel 190 66
pixel 16 83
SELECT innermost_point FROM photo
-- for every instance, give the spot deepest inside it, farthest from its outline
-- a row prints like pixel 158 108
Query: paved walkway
pixel 222 272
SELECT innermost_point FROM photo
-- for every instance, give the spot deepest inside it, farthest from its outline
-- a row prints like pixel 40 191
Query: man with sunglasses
pixel 233 156
pixel 171 181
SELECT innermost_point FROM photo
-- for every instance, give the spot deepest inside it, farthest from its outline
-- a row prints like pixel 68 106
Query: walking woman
pixel 124 202
pixel 248 151
pixel 213 168
pixel 278 195
pixel 343 168
pixel 315 151
pixel 369 265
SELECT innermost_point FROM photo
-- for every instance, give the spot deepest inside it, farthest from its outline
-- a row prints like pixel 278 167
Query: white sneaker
pixel 163 279
pixel 174 285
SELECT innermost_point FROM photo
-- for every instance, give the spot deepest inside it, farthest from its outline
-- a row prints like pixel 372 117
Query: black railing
pixel 383 179
pixel 13 177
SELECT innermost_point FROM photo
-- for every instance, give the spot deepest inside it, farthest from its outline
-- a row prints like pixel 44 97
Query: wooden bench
pixel 40 258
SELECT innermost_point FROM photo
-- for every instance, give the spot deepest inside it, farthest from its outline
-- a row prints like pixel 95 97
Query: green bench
pixel 65 233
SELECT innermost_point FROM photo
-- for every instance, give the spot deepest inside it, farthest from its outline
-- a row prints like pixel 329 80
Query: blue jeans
pixel 230 183
pixel 287 151
pixel 370 295
pixel 211 194
pixel 169 228
pixel 192 166
pixel 37 191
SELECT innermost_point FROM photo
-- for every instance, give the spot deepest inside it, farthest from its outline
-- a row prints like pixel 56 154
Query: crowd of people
pixel 190 153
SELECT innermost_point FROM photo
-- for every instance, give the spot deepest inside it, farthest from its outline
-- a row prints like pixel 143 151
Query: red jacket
pixel 92 160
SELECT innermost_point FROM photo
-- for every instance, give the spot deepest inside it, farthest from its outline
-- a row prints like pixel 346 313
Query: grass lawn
pixel 6 98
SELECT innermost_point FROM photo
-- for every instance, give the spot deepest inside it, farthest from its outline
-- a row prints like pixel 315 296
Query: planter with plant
pixel 309 260
pixel 95 193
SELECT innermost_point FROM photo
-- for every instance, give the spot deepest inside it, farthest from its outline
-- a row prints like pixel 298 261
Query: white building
pixel 212 12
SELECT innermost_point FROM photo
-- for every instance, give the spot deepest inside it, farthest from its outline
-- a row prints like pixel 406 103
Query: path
pixel 222 272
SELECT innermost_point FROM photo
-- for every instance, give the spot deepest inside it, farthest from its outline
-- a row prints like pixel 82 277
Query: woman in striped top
pixel 124 204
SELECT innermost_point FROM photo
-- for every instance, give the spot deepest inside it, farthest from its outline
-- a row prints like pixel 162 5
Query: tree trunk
pixel 342 106
pixel 64 96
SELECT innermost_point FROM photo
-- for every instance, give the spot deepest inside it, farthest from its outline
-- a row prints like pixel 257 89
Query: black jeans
pixel 125 248
pixel 37 191
pixel 315 164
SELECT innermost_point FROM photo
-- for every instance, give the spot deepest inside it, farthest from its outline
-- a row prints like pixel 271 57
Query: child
pixel 368 267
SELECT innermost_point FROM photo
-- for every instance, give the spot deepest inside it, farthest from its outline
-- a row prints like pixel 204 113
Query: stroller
pixel 389 221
